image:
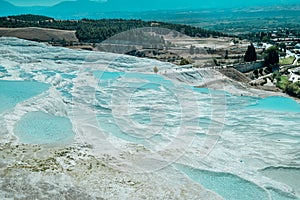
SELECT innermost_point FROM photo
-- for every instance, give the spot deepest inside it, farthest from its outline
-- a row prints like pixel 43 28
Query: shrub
pixel 184 61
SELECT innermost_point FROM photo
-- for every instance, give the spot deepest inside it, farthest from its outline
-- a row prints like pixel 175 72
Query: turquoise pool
pixel 276 103
pixel 43 128
pixel 14 92
pixel 232 187
pixel 229 186
pixel 142 88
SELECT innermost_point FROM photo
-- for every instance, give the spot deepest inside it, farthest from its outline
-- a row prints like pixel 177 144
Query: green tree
pixel 271 57
pixel 250 55
pixel 255 72
pixel 184 61
pixel 282 46
pixel 226 54
pixel 155 69
pixel 265 39
pixel 293 89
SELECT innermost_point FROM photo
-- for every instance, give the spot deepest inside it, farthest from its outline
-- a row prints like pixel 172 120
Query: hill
pixel 96 31
pixel 39 34
pixel 125 8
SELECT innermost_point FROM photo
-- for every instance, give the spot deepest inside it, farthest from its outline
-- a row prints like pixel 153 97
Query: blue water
pixel 276 103
pixel 202 90
pixel 151 79
pixel 229 186
pixel 101 75
pixel 108 125
pixel 3 72
pixel 26 76
pixel 141 87
pixel 43 128
pixel 68 76
pixel 246 118
pixel 279 195
pixel 13 92
pixel 110 82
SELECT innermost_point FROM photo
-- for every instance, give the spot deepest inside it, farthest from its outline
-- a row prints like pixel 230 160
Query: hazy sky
pixel 250 2
pixel 34 2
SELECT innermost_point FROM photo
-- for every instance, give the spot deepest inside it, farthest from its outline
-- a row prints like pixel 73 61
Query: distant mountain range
pixel 122 8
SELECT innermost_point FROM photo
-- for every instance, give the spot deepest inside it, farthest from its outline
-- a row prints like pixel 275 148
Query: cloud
pixel 34 2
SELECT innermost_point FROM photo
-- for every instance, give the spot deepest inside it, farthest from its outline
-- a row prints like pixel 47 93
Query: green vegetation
pixel 288 87
pixel 255 72
pixel 272 58
pixel 287 61
pixel 265 34
pixel 184 61
pixel 293 89
pixel 226 54
pixel 250 55
pixel 282 82
pixel 95 31
pixel 282 46
pixel 155 69
pixel 30 18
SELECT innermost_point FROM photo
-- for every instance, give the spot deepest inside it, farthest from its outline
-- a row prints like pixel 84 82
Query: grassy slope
pixel 39 34
pixel 287 61
pixel 283 82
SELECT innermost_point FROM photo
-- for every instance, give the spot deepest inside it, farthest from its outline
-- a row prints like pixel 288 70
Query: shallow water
pixel 276 103
pixel 289 176
pixel 13 92
pixel 232 187
pixel 279 195
pixel 236 136
pixel 229 186
pixel 43 128
pixel 139 115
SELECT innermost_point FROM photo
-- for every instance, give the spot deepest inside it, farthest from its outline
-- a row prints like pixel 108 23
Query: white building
pixel 294 78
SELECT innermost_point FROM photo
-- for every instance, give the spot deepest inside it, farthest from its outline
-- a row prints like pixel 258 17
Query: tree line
pixel 95 31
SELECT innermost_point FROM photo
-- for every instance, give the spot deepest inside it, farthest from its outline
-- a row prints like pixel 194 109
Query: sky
pixel 34 2
pixel 250 2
